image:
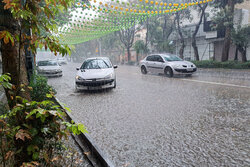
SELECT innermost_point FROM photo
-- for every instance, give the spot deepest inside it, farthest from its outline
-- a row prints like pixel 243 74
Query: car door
pixel 149 63
pixel 159 64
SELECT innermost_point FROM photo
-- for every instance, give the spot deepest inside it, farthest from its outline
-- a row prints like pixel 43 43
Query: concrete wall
pixel 244 5
pixel 205 49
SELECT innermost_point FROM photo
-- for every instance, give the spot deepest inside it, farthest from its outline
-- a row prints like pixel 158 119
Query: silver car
pixel 49 68
pixel 167 64
pixel 95 73
pixel 61 60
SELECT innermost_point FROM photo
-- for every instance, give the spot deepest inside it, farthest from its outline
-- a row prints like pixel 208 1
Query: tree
pixel 241 40
pixel 201 9
pixel 139 46
pixel 127 38
pixel 179 17
pixel 17 18
pixel 225 17
pixel 183 45
pixel 158 31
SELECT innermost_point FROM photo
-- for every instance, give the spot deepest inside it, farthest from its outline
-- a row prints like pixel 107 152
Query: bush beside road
pixel 216 64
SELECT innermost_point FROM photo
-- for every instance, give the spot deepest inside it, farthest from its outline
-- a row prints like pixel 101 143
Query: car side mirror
pixel 77 69
pixel 115 66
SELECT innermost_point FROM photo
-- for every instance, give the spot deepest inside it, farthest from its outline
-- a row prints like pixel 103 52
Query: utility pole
pixel 100 47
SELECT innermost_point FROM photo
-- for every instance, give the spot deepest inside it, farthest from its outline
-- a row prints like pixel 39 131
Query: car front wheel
pixel 143 70
pixel 114 84
pixel 168 72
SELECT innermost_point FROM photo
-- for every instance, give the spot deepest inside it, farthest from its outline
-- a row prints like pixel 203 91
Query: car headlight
pixel 109 76
pixel 79 78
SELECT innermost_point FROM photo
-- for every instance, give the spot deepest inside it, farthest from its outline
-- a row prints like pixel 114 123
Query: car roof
pixel 97 58
pixel 46 60
pixel 163 54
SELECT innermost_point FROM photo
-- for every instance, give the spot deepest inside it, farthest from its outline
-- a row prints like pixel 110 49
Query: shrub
pixel 40 88
pixel 227 64
pixel 32 132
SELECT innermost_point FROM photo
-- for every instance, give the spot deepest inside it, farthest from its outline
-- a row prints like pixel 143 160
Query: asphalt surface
pixel 155 121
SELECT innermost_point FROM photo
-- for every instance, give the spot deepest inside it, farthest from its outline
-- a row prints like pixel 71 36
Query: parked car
pixel 49 68
pixel 167 64
pixel 62 60
pixel 95 73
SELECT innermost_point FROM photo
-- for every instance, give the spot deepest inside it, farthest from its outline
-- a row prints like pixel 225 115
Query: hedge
pixel 227 64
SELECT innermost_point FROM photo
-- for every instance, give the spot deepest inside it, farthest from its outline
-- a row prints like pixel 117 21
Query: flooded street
pixel 155 121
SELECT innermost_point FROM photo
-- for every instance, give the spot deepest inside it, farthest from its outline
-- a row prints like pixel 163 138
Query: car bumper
pixel 95 85
pixel 50 74
pixel 185 71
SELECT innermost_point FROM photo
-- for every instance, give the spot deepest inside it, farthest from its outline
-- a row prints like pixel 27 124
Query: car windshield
pixel 96 64
pixel 172 58
pixel 47 63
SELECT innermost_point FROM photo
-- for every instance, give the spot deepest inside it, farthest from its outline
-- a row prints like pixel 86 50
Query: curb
pixel 89 148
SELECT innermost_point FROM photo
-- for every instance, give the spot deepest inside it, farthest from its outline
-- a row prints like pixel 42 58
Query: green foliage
pixel 227 64
pixel 40 88
pixel 241 36
pixel 139 46
pixel 4 81
pixel 38 16
pixel 32 130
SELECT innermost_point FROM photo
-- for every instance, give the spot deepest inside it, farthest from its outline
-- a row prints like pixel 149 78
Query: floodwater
pixel 155 121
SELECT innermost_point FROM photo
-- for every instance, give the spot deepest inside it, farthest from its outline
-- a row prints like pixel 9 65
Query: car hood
pixel 49 68
pixel 187 63
pixel 95 73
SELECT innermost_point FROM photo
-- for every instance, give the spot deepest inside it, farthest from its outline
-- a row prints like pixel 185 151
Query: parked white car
pixel 95 73
pixel 167 64
pixel 62 60
pixel 49 68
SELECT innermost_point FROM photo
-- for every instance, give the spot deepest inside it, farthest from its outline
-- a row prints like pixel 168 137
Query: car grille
pixel 185 70
pixel 50 72
pixel 95 83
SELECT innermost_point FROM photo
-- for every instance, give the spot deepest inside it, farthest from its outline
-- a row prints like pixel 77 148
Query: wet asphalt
pixel 155 121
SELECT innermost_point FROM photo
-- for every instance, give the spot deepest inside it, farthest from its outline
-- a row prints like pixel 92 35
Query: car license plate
pixel 189 69
pixel 94 88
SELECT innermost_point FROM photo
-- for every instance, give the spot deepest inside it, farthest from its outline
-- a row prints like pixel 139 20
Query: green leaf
pixel 74 129
pixel 35 155
pixel 31 113
pixel 82 128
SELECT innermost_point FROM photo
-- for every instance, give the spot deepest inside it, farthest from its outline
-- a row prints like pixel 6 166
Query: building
pixel 210 42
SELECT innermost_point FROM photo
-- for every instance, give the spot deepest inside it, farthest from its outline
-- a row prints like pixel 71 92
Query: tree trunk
pixel 236 54
pixel 197 27
pixel 129 55
pixel 181 35
pixel 137 57
pixel 196 52
pixel 11 60
pixel 227 40
pixel 243 52
pixel 182 49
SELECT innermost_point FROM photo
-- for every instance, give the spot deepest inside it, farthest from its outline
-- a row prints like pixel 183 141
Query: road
pixel 155 121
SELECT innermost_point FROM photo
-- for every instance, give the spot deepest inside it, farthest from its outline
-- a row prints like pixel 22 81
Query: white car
pixel 95 73
pixel 167 64
pixel 49 68
pixel 62 60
